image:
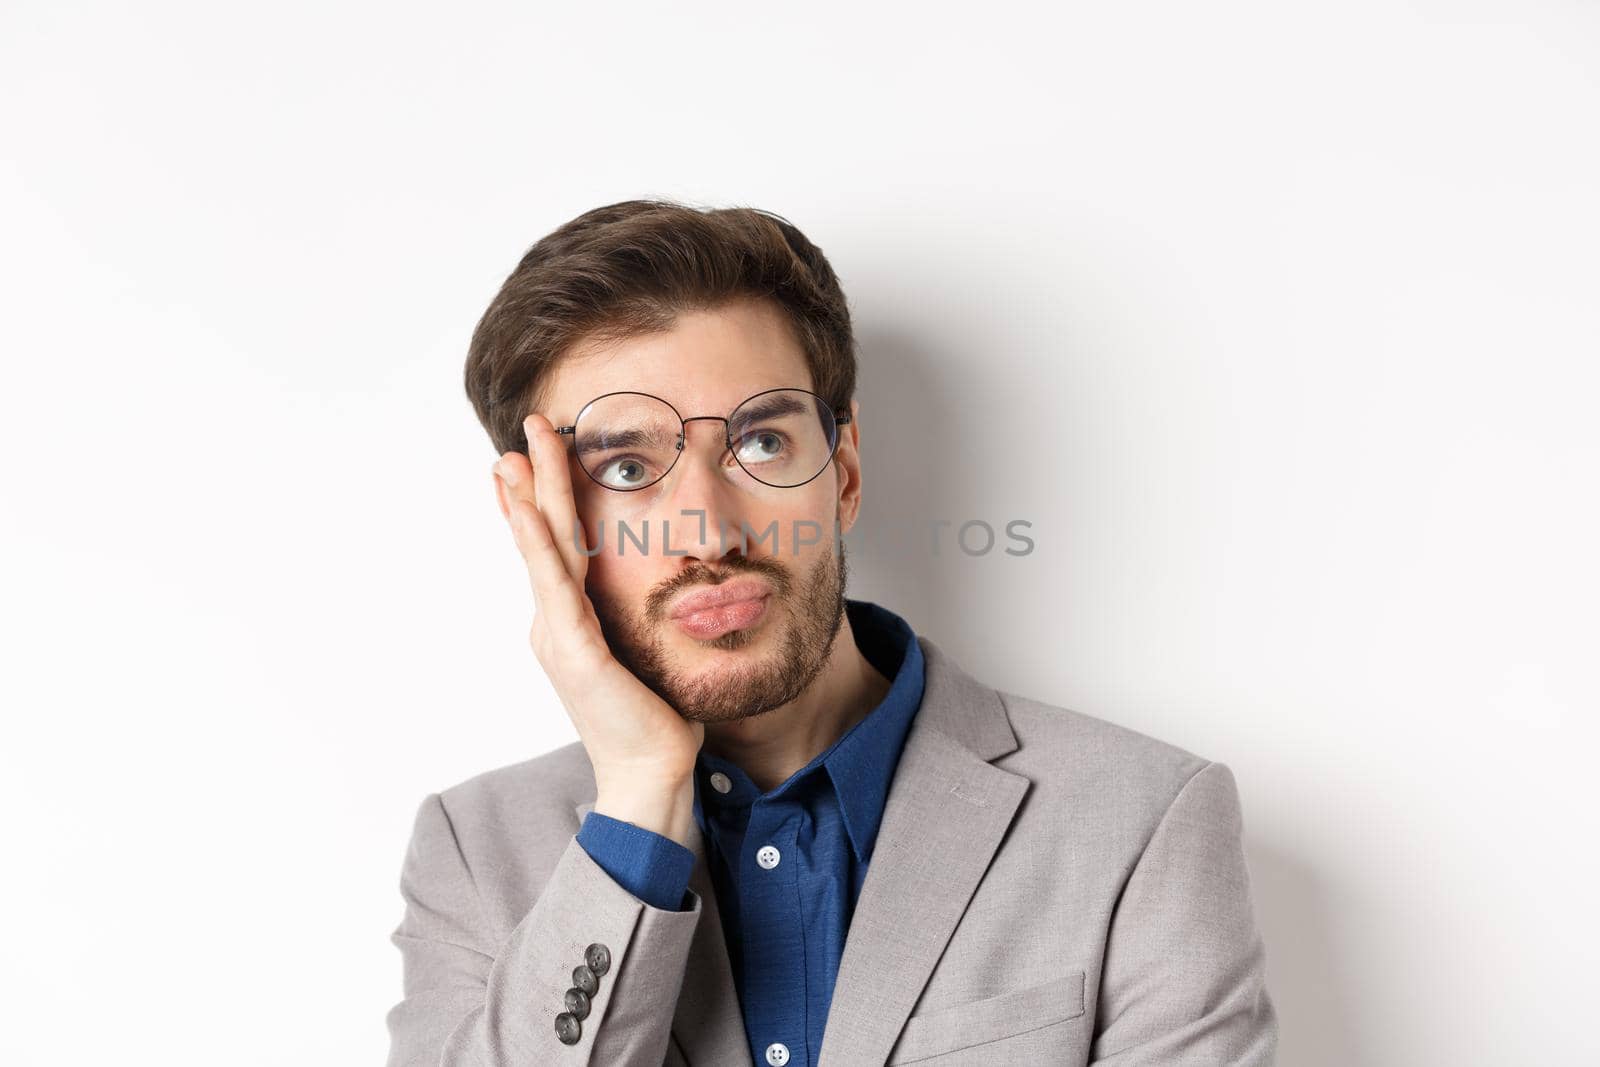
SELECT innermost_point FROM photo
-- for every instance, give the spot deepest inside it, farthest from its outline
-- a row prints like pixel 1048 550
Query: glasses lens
pixel 784 437
pixel 627 440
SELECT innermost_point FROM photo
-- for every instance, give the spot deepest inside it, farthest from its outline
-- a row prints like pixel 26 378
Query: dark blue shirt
pixel 787 864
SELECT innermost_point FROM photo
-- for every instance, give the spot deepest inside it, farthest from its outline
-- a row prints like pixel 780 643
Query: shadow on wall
pixel 912 471
pixel 908 473
pixel 1313 985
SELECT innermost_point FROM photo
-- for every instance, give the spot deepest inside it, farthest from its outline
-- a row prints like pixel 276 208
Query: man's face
pixel 757 657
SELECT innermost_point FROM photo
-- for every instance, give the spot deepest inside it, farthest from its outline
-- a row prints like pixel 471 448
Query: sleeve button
pixel 577 1003
pixel 598 957
pixel 568 1028
pixel 584 979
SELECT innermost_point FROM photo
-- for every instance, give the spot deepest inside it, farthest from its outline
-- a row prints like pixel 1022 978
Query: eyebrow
pixel 774 406
pixel 593 442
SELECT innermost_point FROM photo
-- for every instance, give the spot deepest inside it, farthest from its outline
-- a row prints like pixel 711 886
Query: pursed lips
pixel 717 596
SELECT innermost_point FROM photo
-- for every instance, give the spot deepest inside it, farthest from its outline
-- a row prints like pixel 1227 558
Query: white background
pixel 1278 323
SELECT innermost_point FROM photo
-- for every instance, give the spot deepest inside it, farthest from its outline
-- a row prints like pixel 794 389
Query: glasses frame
pixel 570 432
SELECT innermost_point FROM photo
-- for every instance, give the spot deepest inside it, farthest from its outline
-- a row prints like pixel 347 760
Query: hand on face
pixel 633 737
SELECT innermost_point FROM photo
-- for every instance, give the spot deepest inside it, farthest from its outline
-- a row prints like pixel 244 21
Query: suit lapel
pixel 708 1024
pixel 945 815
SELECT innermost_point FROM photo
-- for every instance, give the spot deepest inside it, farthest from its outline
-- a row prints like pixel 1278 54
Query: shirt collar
pixel 861 763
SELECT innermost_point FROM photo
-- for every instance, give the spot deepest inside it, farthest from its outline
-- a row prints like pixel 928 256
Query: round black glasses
pixel 628 441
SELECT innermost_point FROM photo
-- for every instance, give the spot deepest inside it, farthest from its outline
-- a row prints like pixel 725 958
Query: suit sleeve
pixel 469 999
pixel 1184 979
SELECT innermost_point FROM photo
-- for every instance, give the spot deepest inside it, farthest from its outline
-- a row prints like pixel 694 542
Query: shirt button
pixel 777 1054
pixel 767 856
pixel 721 782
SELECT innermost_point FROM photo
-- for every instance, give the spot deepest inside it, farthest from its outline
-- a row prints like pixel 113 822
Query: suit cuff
pixel 649 865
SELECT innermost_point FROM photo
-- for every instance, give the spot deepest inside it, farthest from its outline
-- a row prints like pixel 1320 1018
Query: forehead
pixel 704 365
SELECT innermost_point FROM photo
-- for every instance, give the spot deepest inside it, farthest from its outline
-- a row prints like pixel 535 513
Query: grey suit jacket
pixel 1046 888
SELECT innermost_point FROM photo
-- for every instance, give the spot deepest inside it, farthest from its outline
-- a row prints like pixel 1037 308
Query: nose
pixel 705 508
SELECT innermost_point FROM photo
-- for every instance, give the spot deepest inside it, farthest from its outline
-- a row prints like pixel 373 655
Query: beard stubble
pixel 812 613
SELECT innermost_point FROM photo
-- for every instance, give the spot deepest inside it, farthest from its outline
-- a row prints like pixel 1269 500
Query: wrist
pixel 667 809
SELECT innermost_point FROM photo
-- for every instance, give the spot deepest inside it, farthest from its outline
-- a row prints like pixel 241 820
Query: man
pixel 791 831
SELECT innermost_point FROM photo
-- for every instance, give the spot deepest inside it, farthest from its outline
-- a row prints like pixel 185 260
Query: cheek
pixel 821 504
pixel 596 504
pixel 611 569
pixel 620 581
pixel 806 521
pixel 604 514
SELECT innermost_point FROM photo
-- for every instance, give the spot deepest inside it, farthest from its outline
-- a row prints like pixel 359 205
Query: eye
pixel 762 446
pixel 624 472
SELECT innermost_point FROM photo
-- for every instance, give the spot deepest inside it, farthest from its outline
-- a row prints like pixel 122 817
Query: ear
pixel 500 492
pixel 847 461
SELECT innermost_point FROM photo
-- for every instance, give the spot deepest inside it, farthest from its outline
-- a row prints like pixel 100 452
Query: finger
pixel 552 488
pixel 556 594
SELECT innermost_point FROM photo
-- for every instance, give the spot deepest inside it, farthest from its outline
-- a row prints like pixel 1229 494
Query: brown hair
pixel 630 268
